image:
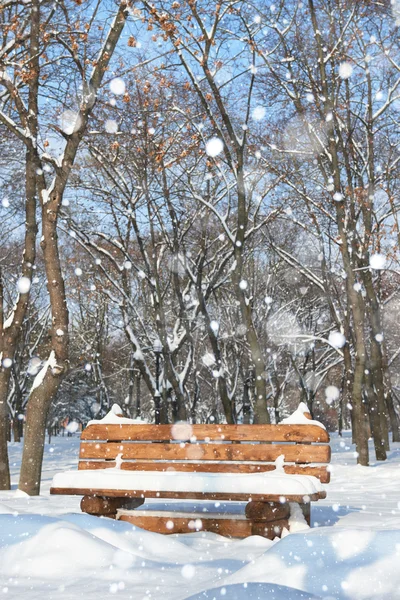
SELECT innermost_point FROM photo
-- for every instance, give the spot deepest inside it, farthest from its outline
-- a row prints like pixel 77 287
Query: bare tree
pixel 45 39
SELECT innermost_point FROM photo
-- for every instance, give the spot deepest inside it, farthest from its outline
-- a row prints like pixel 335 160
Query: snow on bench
pixel 268 466
pixel 276 484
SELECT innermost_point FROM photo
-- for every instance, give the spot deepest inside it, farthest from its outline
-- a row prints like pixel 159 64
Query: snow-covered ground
pixel 49 550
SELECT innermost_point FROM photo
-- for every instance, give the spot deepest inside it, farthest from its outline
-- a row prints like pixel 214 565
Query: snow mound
pixel 299 418
pixel 38 546
pixel 128 538
pixel 352 564
pixel 21 494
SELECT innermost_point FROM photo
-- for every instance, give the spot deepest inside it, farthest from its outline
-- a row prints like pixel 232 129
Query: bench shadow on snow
pixel 326 516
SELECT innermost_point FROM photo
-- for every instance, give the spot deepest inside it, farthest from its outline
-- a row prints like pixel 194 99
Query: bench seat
pixel 238 486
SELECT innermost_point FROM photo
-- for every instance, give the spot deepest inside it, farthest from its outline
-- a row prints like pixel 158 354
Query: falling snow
pixel 377 261
pixel 200 225
pixel 345 70
pixel 214 146
pixel 24 285
pixel 117 86
pixel 336 339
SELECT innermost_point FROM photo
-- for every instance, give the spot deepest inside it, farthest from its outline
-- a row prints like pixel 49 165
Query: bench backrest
pixel 207 448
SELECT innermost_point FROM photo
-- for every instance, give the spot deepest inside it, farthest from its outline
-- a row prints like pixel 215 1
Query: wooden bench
pixel 196 462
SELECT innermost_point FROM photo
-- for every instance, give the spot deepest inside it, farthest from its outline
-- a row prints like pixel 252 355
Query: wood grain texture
pixel 238 433
pixel 97 505
pixel 228 527
pixel 269 530
pixel 267 511
pixel 321 473
pixel 239 497
pixel 297 453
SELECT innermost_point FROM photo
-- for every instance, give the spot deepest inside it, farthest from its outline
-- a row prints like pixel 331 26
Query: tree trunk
pixel 213 339
pixel 246 401
pixel 179 412
pixel 394 419
pixel 374 418
pixel 16 422
pixel 196 397
pixel 345 223
pixel 261 414
pixel 4 464
pixel 16 429
pixel 164 407
pixel 340 417
pixel 9 337
pixel 35 432
pixel 137 405
pixel 51 200
pixel 377 360
pixel 57 364
pixel 360 432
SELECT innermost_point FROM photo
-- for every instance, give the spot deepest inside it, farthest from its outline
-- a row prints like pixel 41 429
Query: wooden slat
pixel 96 505
pixel 298 453
pixel 238 433
pixel 321 473
pixel 235 526
pixel 187 495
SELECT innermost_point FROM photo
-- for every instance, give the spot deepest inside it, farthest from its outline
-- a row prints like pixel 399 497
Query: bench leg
pixel 267 511
pixel 269 529
pixel 108 507
pixel 268 519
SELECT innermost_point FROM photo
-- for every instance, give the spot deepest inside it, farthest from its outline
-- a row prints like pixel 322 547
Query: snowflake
pixel 377 261
pixel 117 86
pixel 214 146
pixel 345 70
pixel 111 126
pixel 331 394
pixel 24 285
pixel 336 339
pixel 259 113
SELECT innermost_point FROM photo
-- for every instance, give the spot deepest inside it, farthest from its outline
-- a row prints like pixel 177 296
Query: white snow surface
pixel 298 417
pixel 297 521
pixel 113 418
pixel 51 551
pixel 173 481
